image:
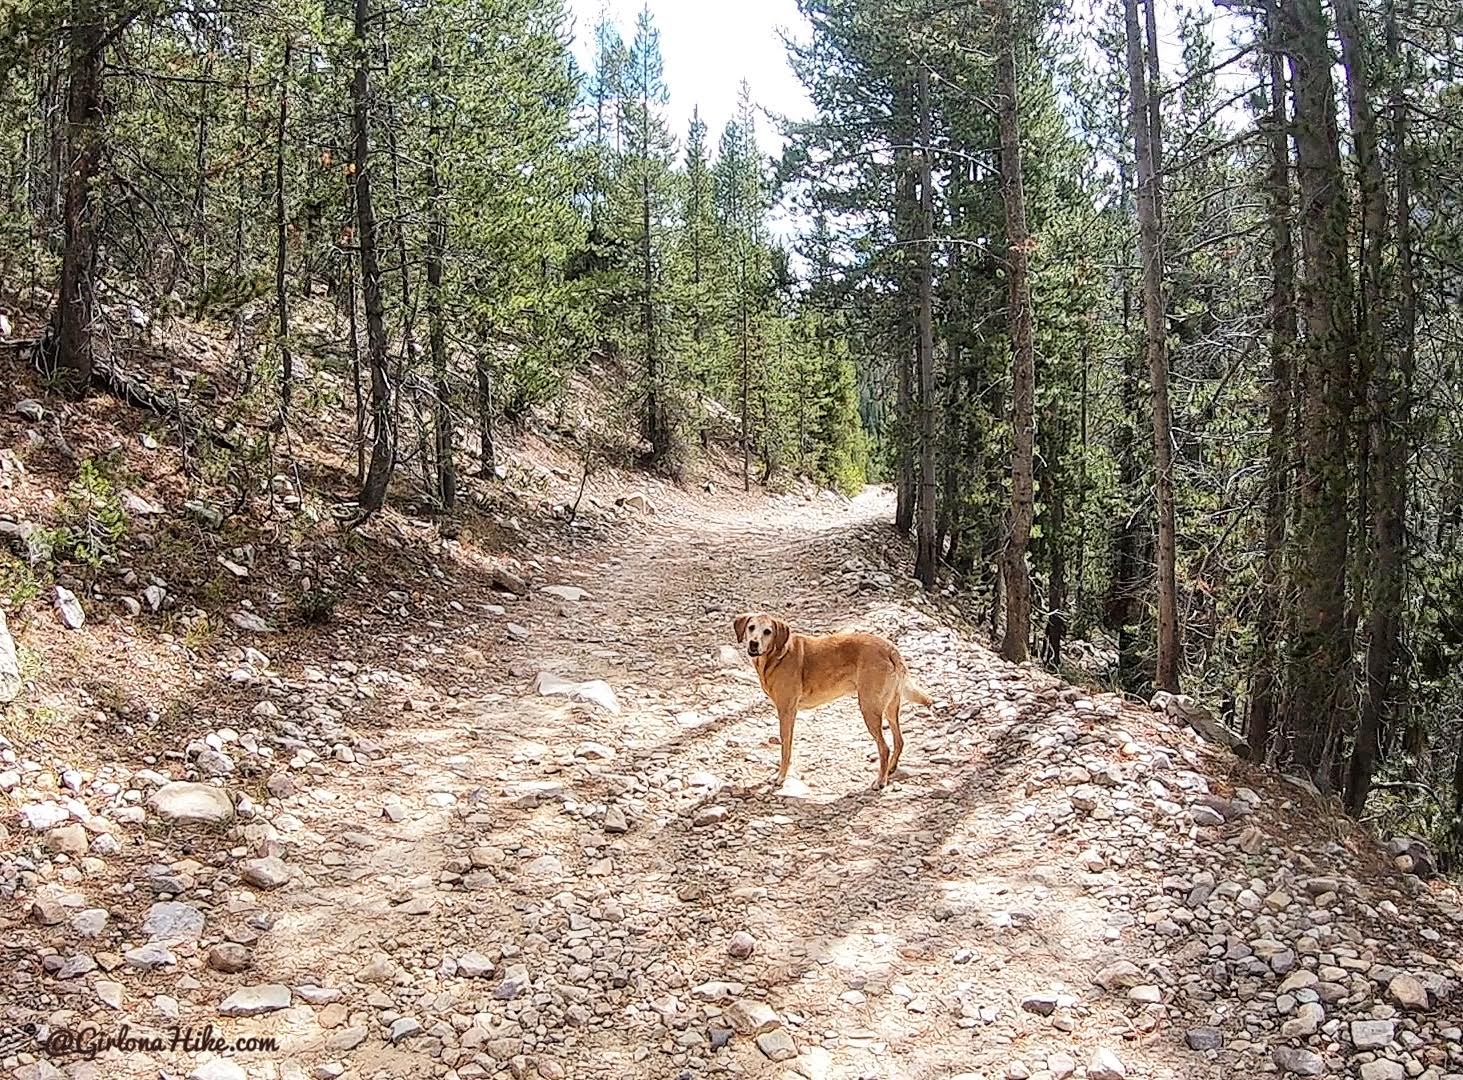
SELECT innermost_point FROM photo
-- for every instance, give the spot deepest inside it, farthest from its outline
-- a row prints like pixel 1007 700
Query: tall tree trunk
pixel 436 322
pixel 1356 61
pixel 1080 547
pixel 1454 851
pixel 746 432
pixel 245 354
pixel 200 169
pixel 698 316
pixel 925 556
pixel 1015 643
pixel 1155 106
pixel 1120 605
pixel 68 349
pixel 1054 445
pixel 654 407
pixel 1317 704
pixel 1389 411
pixel 1146 153
pixel 487 449
pixel 905 212
pixel 952 409
pixel 406 366
pixel 1264 678
pixel 281 294
pixel 349 283
pixel 383 442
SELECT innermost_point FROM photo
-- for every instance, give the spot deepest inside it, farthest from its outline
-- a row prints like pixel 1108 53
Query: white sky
pixel 709 47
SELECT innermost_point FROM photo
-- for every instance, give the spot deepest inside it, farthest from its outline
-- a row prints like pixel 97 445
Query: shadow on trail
pixel 889 831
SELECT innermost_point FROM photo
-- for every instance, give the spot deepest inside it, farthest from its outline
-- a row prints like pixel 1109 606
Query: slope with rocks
pixel 468 831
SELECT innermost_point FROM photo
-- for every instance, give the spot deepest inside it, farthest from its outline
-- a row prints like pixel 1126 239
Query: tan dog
pixel 799 671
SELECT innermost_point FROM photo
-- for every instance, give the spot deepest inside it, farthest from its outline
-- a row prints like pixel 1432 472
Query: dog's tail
pixel 909 691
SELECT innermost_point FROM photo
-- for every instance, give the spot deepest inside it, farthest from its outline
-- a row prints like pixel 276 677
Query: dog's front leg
pixel 785 721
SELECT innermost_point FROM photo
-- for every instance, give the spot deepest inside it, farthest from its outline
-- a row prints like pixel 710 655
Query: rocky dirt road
pixel 507 882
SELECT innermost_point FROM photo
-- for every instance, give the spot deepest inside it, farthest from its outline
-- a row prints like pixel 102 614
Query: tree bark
pixel 68 348
pixel 1015 642
pixel 436 322
pixel 1146 153
pixel 406 367
pixel 1317 704
pixel 1120 605
pixel 654 416
pixel 1263 684
pixel 925 555
pixel 1054 445
pixel 281 294
pixel 487 449
pixel 200 169
pixel 354 329
pixel 1389 407
pixel 905 212
pixel 746 432
pixel 383 442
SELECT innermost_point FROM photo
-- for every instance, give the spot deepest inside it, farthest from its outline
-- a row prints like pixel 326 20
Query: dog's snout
pixel 751 648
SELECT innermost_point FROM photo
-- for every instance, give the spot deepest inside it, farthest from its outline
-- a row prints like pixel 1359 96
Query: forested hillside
pixel 484 219
pixel 1165 299
pixel 1148 313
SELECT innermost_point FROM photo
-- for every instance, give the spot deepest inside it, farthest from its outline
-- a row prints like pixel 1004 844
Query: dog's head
pixel 763 634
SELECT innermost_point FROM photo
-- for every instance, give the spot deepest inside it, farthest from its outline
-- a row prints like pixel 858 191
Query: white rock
pixel 267 873
pixel 777 1045
pixel 195 804
pixel 10 682
pixel 255 1000
pixel 41 817
pixel 90 923
pixel 248 620
pixel 1382 1069
pixel 474 965
pixel 571 593
pixel 515 982
pixel 749 1017
pixel 614 820
pixel 109 993
pixel 135 504
pixel 1372 1034
pixel 68 609
pixel 171 920
pixel 1105 1065
pixel 596 691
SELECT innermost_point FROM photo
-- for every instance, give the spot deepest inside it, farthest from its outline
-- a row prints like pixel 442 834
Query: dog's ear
pixel 780 634
pixel 740 625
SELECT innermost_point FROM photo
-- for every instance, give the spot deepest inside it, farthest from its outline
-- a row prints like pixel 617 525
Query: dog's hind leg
pixel 874 721
pixel 898 736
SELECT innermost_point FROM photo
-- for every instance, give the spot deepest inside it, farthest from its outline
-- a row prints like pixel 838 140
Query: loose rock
pixel 192 804
pixel 256 1000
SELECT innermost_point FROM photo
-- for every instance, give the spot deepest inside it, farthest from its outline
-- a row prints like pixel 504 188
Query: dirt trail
pixel 505 883
pixel 894 934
